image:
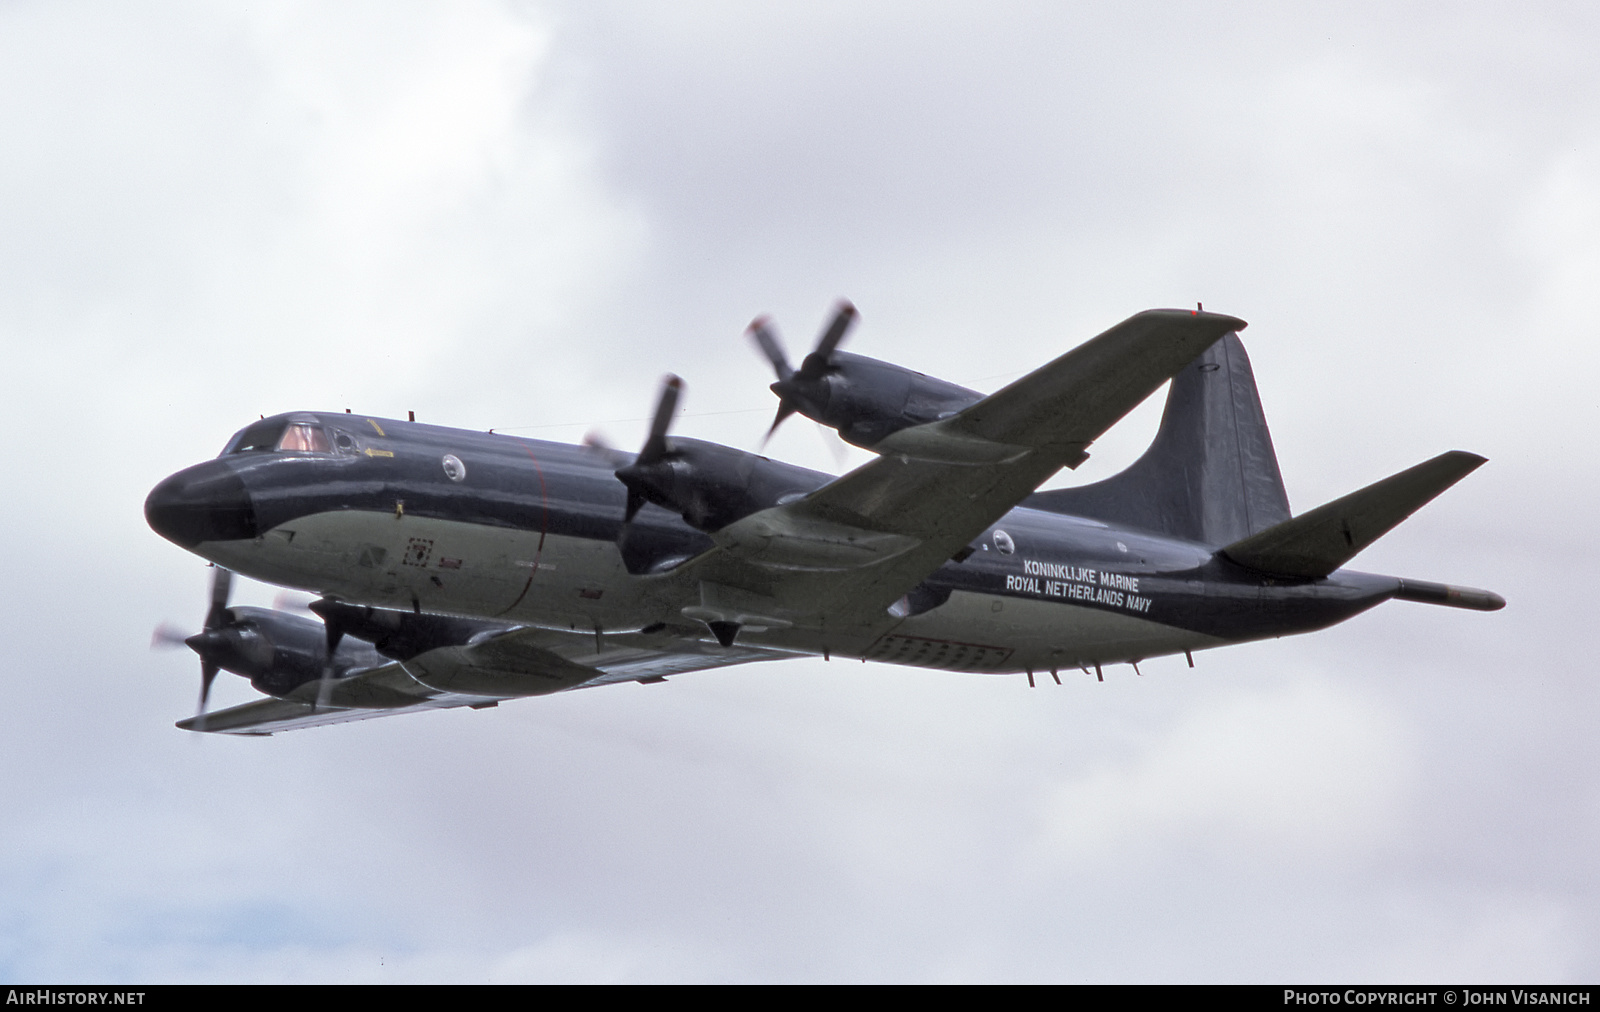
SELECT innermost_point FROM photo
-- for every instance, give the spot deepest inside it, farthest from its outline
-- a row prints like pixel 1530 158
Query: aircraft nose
pixel 207 502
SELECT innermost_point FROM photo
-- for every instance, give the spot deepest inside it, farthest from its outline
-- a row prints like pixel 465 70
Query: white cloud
pixel 1505 938
pixel 1297 772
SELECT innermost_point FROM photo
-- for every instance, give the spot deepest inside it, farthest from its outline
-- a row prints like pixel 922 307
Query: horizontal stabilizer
pixel 1451 597
pixel 1316 543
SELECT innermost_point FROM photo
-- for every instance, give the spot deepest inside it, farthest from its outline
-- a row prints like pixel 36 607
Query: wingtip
pixel 1461 462
pixel 1229 323
pixel 1233 323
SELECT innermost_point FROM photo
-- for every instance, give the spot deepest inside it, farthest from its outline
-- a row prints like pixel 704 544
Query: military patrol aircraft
pixel 461 568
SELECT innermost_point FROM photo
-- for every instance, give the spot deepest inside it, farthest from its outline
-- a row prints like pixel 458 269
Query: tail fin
pixel 1210 475
pixel 1314 544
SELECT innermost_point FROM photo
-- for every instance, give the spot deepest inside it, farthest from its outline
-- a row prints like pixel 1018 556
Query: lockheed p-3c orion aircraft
pixel 458 568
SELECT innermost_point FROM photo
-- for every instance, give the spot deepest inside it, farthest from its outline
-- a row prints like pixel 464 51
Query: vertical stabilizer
pixel 1210 475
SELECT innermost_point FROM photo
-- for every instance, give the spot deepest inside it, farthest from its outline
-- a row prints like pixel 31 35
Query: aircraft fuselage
pixel 445 521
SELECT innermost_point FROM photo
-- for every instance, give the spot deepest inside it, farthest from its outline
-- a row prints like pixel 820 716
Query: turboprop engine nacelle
pixel 711 485
pixel 865 399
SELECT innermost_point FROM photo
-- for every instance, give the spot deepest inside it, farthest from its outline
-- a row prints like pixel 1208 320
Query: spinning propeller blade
pixel 221 586
pixel 655 447
pixel 816 363
pixel 655 450
pixel 167 636
pixel 334 633
pixel 766 339
pixel 208 674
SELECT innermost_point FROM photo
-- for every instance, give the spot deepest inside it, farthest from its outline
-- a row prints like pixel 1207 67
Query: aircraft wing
pixel 508 665
pixel 841 555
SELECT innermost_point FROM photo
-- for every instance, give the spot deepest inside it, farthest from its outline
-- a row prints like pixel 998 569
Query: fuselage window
pixel 303 437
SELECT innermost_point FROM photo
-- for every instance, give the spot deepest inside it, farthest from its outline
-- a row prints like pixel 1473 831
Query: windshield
pixel 304 437
pixel 276 434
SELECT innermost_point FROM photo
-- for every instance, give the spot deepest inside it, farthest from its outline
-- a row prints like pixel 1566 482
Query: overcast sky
pixel 520 215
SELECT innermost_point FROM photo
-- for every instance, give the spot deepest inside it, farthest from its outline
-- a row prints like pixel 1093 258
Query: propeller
pixel 217 618
pixel 598 446
pixel 167 637
pixel 654 461
pixel 211 639
pixel 333 630
pixel 797 389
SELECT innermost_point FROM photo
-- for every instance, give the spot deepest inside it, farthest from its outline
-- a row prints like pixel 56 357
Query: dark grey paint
pixel 1210 479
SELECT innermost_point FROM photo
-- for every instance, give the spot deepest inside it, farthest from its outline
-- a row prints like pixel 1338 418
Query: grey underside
pixel 1210 475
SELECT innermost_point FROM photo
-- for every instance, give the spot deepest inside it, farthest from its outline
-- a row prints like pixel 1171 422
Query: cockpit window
pixel 257 438
pixel 304 437
pixel 279 435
